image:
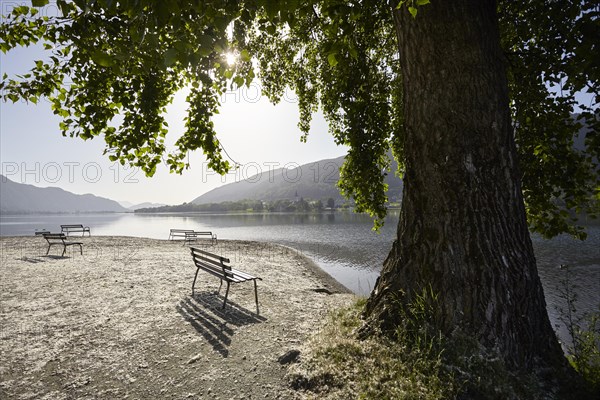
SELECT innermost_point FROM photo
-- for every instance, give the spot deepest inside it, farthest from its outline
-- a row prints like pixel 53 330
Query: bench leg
pixel 194 283
pixel 64 251
pixel 256 297
pixel 220 286
pixel 48 251
pixel 226 294
pixel 81 249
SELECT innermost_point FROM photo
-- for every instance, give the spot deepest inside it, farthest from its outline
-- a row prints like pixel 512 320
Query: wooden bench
pixel 75 228
pixel 60 239
pixel 195 235
pixel 175 233
pixel 218 266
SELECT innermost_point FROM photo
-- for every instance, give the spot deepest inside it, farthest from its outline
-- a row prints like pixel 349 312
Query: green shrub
pixel 584 332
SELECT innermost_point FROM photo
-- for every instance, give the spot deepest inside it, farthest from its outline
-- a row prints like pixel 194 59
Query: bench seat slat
pixel 213 272
pixel 243 274
pixel 232 275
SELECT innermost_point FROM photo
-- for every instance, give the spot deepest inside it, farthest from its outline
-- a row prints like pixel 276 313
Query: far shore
pixel 120 321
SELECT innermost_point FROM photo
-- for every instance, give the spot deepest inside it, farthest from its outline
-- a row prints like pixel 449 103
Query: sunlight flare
pixel 231 58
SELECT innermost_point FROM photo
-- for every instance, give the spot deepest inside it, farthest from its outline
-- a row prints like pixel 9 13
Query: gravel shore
pixel 119 321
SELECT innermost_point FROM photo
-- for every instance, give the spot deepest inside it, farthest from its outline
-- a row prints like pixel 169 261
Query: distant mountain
pixel 125 204
pixel 134 207
pixel 21 198
pixel 315 181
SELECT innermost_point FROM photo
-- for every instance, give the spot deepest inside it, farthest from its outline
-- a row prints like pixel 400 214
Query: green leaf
pixel 239 81
pixel 102 59
pixel 205 51
pixel 331 58
pixel 244 55
pixel 170 57
pixel 422 2
pixel 39 3
pixel 412 11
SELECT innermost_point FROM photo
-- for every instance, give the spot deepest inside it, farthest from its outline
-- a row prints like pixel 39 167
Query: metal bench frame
pixel 195 235
pixel 175 233
pixel 218 266
pixel 75 228
pixel 60 239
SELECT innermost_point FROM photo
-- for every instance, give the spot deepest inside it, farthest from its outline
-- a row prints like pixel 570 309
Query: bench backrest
pixel 181 230
pixel 71 226
pixel 54 237
pixel 211 263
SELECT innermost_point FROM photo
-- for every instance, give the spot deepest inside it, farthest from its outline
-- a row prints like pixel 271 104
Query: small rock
pixel 195 358
pixel 289 357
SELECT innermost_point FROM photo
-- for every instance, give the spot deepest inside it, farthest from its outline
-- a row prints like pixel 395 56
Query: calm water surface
pixel 343 244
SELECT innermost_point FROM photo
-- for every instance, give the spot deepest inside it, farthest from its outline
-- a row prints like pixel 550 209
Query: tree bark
pixel 463 231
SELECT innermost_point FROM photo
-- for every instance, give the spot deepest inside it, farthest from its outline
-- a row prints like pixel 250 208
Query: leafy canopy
pixel 115 65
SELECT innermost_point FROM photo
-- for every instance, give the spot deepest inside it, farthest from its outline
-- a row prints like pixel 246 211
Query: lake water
pixel 343 244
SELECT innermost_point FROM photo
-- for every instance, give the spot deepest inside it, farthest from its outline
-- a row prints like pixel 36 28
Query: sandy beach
pixel 119 321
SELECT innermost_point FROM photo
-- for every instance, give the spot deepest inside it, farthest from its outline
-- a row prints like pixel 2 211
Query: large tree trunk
pixel 462 230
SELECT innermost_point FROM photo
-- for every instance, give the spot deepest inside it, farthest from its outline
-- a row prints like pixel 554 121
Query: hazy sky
pixel 254 133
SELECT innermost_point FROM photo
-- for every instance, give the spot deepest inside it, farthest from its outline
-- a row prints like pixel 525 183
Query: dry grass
pixel 336 365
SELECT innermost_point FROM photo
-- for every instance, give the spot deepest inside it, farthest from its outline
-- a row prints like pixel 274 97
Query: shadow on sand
pixel 41 259
pixel 205 313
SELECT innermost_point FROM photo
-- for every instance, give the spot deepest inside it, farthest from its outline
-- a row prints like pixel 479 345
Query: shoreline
pixel 337 287
pixel 330 281
pixel 120 320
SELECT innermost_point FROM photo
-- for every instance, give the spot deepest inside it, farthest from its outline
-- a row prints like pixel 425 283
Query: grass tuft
pixel 417 363
pixel 336 365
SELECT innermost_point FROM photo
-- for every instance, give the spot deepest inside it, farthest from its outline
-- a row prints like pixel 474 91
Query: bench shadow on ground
pixel 33 260
pixel 42 259
pixel 55 257
pixel 216 324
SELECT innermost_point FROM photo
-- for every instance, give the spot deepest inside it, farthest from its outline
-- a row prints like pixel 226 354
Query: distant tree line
pixel 300 205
